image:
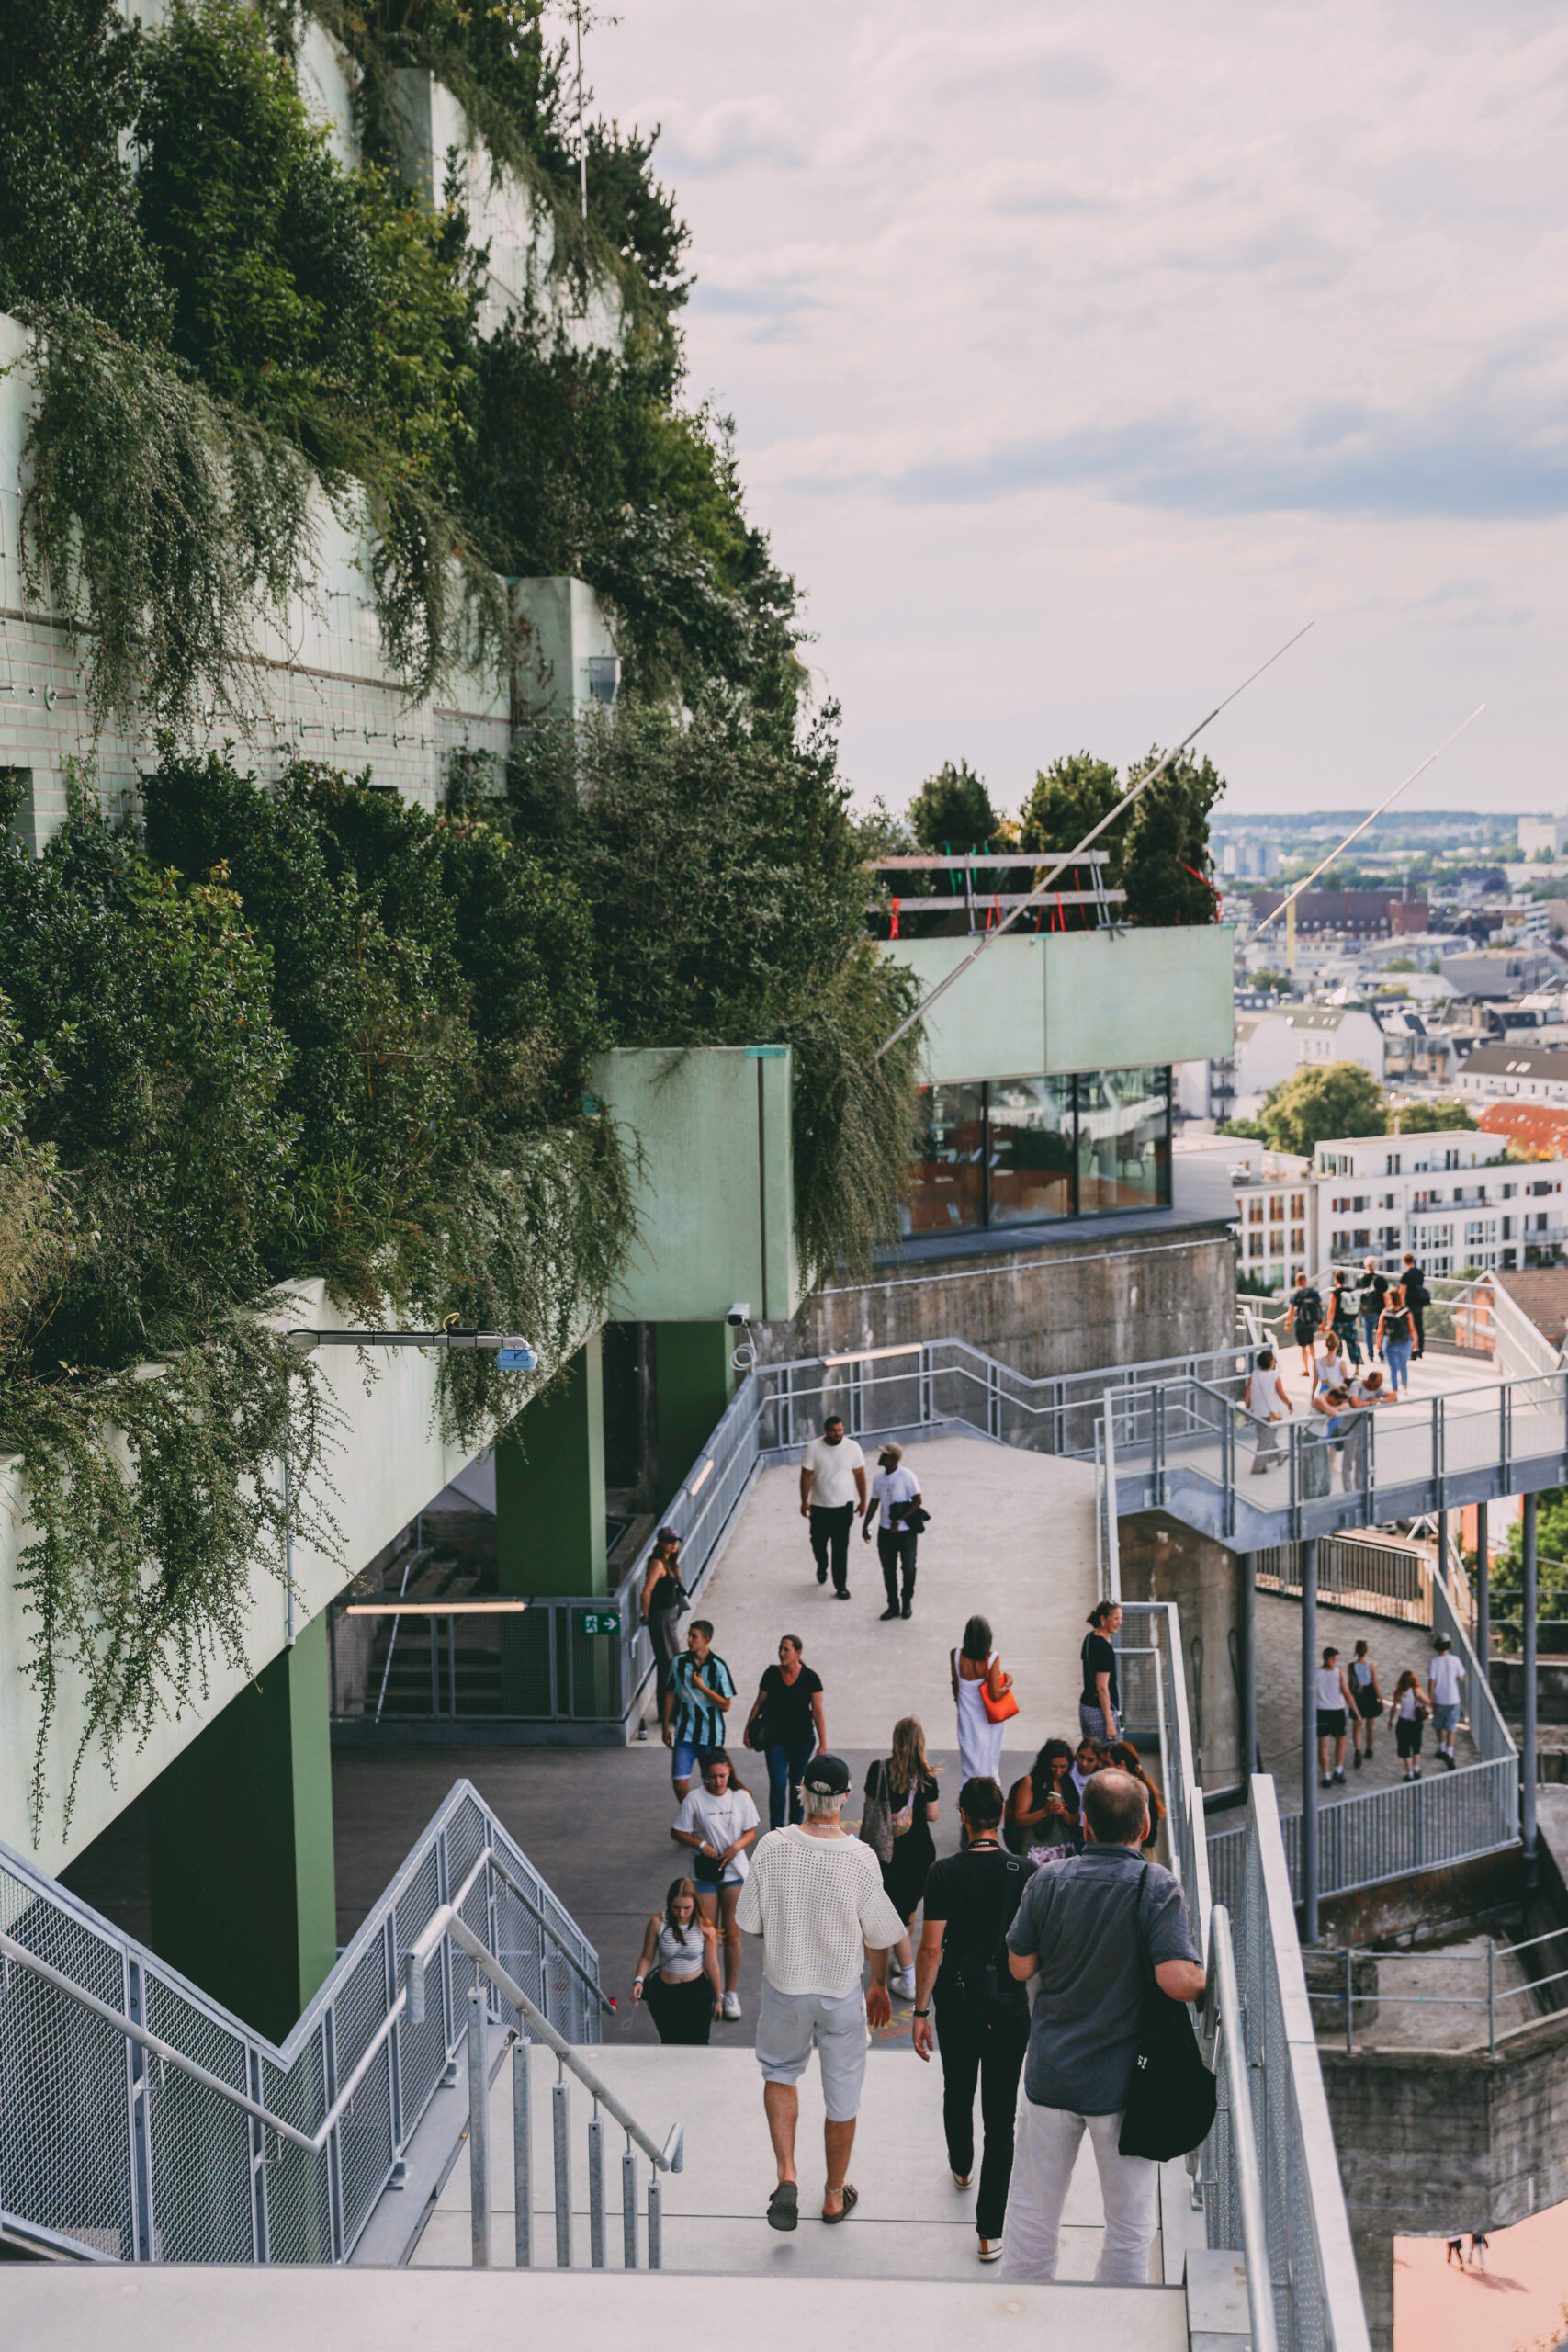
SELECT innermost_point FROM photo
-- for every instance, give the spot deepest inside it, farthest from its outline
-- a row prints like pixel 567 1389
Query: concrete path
pixel 1393 1646
pixel 911 2222
pixel 1011 1538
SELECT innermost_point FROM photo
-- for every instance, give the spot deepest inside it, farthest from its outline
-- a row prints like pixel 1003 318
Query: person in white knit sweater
pixel 815 1897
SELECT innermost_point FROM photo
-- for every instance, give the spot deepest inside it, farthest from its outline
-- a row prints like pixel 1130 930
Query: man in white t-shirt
pixel 1266 1402
pixel 832 1494
pixel 719 1821
pixel 815 1896
pixel 1445 1680
pixel 895 1490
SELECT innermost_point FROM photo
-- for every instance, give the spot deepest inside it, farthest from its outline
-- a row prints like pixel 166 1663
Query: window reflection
pixel 1031 1149
pixel 948 1192
pixel 1026 1150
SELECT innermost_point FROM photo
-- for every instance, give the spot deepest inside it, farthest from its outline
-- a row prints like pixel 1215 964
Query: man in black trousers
pixel 982 2013
pixel 1418 1298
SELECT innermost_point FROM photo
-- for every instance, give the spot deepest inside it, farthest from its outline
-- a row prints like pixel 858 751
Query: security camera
pixel 739 1313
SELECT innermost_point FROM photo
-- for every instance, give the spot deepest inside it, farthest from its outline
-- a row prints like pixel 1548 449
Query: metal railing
pixel 1190 1447
pixel 1471 1315
pixel 1272 2097
pixel 140 2121
pixel 1353 1572
pixel 1390 1833
pixel 1347 1997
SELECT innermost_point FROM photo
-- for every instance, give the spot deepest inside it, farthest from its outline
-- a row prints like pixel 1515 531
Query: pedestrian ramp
pixel 911 2223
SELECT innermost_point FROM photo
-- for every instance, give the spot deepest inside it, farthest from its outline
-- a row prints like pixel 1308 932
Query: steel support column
pixel 1528 1742
pixel 1483 1593
pixel 1309 1740
pixel 1247 1570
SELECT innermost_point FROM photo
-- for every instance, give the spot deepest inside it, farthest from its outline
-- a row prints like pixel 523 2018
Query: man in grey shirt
pixel 1089 1931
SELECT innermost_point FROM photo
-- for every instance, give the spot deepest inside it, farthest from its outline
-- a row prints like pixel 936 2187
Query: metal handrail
pixel 449 1921
pixel 1225 1996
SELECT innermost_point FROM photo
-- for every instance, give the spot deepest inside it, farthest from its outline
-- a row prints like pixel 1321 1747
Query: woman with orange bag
pixel 982 1696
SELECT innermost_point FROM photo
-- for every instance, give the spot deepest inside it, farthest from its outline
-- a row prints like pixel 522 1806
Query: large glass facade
pixel 1027 1151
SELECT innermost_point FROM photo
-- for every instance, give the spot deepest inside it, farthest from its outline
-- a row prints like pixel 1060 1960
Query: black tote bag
pixel 1170 2108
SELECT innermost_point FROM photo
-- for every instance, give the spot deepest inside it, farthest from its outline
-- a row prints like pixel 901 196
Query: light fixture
pixel 603 677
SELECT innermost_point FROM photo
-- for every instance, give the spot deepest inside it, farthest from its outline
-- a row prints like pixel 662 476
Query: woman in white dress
pixel 976 1667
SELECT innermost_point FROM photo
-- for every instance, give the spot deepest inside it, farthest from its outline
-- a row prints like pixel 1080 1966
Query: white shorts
pixel 788 2024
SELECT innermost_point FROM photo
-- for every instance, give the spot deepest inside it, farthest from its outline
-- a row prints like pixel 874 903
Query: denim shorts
pixel 787 2026
pixel 1446 1718
pixel 683 1760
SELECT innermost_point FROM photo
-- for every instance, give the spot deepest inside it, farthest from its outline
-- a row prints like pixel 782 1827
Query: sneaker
pixel 1339 1780
pixel 821 1576
pixel 902 1981
pixel 990 2249
pixel 842 1592
pixel 1327 1781
pixel 731 2005
pixel 1450 1761
pixel 1357 1759
pixel 890 1613
pixel 962 2179
pixel 1416 1774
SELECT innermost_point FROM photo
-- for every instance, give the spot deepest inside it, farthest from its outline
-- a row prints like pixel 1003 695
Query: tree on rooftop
pixel 1339 1099
pixel 1430 1118
pixel 953 810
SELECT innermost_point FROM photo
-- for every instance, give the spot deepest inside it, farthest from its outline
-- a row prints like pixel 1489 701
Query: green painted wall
pixel 694 1382
pixel 549 1487
pixel 1071 1001
pixel 715 1196
pixel 239 1845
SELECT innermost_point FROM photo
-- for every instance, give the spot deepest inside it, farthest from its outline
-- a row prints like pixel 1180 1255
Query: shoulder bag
pixel 997 1710
pixel 990 1984
pixel 1170 2107
pixel 877 1821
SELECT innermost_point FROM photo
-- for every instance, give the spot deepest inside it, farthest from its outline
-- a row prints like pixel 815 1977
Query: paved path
pixel 1393 1647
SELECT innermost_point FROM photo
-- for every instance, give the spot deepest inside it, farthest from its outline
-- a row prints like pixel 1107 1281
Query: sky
pixel 1079 356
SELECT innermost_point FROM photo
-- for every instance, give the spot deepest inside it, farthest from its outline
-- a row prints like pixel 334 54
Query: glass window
pixel 1031 1149
pixel 947 1195
pixel 1277 1209
pixel 1124 1141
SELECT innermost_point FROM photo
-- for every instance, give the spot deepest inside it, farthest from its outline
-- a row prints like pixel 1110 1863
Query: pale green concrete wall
pixel 1070 1001
pixel 716 1204
pixel 386 1463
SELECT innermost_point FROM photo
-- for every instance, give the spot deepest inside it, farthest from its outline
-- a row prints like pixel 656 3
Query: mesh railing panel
pixel 298 2185
pixel 199 2145
pixel 65 2081
pixel 367 2146
pixel 421 2048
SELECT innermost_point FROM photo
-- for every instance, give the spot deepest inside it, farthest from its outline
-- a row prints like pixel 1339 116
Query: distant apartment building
pixel 1450 1198
pixel 1513 1072
pixel 1505 972
pixel 1413 1055
pixel 1356 914
pixel 1537 833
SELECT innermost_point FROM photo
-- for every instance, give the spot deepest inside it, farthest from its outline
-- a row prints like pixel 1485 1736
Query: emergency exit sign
pixel 600 1621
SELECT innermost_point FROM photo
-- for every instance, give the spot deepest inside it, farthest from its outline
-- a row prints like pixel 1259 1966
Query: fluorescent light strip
pixel 874 1356
pixel 435 1608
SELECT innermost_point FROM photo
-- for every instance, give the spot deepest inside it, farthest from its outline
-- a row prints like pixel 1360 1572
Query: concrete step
pixel 911 2223
pixel 182 2309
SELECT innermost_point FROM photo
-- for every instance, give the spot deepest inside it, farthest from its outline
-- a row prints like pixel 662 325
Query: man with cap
pixel 814 1895
pixel 898 1491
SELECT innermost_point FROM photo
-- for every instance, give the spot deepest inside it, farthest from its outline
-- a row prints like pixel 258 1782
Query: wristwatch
pixel 920 2013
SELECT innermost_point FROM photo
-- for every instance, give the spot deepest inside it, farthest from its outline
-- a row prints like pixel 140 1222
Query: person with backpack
pixel 900 1805
pixel 1396 1336
pixel 1306 1320
pixel 1418 1298
pixel 982 2012
pixel 1343 1306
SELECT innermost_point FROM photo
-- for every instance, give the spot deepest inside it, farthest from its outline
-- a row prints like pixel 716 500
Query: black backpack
pixel 989 1984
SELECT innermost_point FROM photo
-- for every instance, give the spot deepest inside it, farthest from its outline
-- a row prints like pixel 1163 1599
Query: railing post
pixel 629 2207
pixel 655 2225
pixel 1491 1997
pixel 1483 1595
pixel 1349 2000
pixel 478 2131
pixel 1247 1568
pixel 1528 1740
pixel 595 2191
pixel 522 2153
pixel 1309 1741
pixel 561 2118
pixel 1440 1482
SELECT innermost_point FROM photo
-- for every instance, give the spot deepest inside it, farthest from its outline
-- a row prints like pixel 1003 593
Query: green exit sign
pixel 600 1621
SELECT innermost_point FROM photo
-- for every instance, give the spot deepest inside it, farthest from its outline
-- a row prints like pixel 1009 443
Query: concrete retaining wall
pixel 1064 1306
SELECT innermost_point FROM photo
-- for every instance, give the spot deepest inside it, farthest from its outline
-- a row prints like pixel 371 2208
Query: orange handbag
pixel 997 1710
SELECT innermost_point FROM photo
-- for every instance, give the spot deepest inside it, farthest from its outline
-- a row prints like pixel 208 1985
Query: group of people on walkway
pixel 1342 1392
pixel 1021 1970
pixel 1387 1313
pixel 1350 1701
pixel 834 1492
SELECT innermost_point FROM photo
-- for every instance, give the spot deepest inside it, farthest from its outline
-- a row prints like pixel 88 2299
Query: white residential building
pixel 1514 1072
pixel 1537 833
pixel 1450 1198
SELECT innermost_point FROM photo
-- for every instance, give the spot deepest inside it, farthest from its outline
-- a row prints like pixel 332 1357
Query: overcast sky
pixel 1079 355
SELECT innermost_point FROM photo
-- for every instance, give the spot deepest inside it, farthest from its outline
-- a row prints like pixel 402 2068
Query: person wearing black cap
pixel 815 1897
pixel 663 1598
